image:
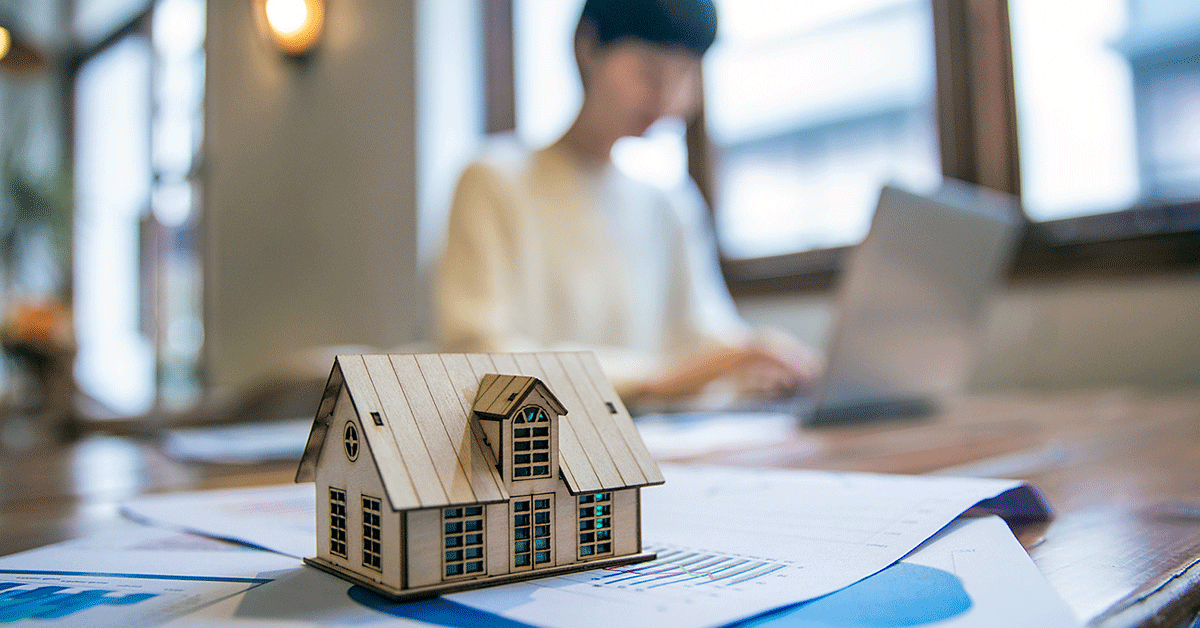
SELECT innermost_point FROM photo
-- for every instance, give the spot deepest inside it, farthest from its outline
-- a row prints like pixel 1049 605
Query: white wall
pixel 1139 332
pixel 316 175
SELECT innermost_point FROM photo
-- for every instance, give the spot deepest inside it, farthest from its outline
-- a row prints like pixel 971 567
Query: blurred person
pixel 557 249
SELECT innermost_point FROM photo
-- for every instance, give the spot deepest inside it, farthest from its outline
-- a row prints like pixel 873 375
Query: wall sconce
pixel 16 54
pixel 294 26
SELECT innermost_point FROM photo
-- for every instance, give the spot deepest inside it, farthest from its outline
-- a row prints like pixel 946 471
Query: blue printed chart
pixel 107 599
pixel 676 566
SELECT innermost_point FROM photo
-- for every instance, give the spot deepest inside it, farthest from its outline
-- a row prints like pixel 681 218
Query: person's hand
pixel 772 365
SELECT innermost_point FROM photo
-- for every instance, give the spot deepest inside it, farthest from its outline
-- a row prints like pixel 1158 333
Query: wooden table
pixel 1122 469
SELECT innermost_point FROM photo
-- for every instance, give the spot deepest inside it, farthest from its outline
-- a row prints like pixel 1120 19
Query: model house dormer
pixel 520 418
pixel 442 472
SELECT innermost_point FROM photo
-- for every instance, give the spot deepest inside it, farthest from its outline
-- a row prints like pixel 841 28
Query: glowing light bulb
pixel 294 25
pixel 287 16
pixel 5 42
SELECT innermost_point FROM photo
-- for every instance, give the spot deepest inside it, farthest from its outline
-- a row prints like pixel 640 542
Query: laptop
pixel 911 302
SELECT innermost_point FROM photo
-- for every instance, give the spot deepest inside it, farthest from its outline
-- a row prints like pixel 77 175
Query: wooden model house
pixel 437 473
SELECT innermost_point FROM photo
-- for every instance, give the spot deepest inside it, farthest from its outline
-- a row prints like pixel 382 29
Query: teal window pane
pixel 521 560
pixel 474 511
pixel 475 566
pixel 474 552
pixel 521 546
pixel 542 544
pixel 541 557
pixel 585 550
pixel 541 504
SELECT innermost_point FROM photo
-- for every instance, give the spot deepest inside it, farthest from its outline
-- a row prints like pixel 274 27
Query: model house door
pixel 533 532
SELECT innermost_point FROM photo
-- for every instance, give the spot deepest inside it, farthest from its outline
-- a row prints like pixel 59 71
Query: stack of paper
pixel 735 546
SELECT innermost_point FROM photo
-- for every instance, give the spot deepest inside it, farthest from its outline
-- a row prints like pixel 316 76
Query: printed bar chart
pixel 677 566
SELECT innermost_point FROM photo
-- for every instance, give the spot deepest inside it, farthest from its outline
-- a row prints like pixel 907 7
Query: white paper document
pixel 278 518
pixel 133 576
pixel 733 542
pixel 971 574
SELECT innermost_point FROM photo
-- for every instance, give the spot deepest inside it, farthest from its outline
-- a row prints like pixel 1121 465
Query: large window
pixel 812 108
pixel 1093 116
pixel 1109 104
pixel 138 94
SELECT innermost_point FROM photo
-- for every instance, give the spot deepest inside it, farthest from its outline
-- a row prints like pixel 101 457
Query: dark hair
pixel 691 24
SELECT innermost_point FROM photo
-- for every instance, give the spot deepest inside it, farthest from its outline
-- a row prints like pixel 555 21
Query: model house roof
pixel 415 412
pixel 499 395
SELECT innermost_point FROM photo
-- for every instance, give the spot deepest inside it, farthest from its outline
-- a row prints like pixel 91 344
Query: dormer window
pixel 531 444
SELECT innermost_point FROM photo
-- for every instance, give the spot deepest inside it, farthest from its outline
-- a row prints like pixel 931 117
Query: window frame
pixel 372 536
pixel 337 523
pixel 589 525
pixel 465 516
pixel 977 137
pixel 541 419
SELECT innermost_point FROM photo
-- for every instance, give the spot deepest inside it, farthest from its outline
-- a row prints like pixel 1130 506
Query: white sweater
pixel 547 252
